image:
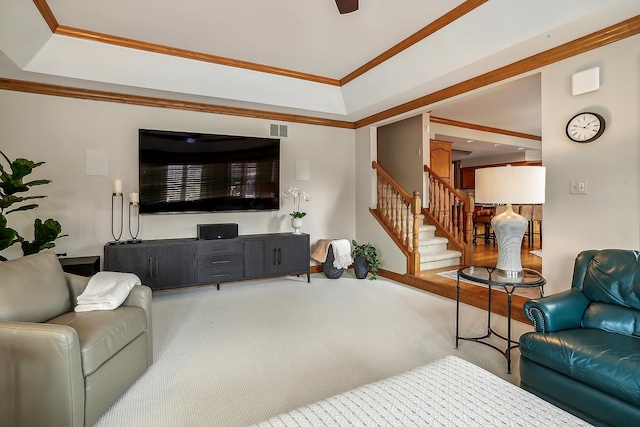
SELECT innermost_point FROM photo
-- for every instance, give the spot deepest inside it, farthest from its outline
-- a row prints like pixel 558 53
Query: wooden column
pixel 414 260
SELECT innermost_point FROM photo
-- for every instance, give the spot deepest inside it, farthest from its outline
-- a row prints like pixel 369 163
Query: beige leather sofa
pixel 59 367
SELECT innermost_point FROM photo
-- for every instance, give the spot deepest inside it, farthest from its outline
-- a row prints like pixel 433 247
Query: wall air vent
pixel 278 130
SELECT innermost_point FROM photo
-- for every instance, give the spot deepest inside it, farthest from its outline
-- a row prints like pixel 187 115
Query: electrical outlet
pixel 578 186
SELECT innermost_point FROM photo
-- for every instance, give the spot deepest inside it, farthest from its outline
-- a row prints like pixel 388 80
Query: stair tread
pixel 446 254
pixel 428 241
pixel 428 227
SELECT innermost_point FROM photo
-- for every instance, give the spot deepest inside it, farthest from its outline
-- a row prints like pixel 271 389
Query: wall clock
pixel 585 127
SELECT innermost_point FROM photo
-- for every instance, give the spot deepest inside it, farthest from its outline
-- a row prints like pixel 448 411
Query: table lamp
pixel 506 185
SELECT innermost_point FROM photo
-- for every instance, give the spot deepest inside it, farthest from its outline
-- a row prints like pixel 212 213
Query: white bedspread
pixel 448 392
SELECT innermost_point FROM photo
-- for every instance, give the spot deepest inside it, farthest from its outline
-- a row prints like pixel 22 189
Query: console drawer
pixel 216 262
pixel 220 275
pixel 219 247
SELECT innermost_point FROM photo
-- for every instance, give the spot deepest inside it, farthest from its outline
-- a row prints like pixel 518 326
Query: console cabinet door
pixel 272 256
pixel 256 258
pixel 173 265
pixel 128 259
pixel 293 255
pixel 158 266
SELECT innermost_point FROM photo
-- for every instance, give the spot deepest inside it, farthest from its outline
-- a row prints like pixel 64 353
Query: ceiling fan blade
pixel 347 6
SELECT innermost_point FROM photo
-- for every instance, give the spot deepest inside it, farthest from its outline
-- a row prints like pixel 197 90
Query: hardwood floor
pixel 476 295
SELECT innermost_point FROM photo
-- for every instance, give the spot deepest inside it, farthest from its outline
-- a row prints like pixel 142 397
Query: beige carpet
pixel 253 350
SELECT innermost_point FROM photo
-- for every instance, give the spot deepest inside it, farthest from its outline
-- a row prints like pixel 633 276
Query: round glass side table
pixel 489 276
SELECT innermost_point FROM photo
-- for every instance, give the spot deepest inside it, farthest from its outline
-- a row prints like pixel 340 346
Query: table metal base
pixel 509 285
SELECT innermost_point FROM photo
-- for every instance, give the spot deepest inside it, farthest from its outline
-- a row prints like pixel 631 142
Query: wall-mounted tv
pixel 183 172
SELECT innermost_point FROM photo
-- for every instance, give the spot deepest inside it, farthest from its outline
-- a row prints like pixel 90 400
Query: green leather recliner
pixel 59 367
pixel 584 355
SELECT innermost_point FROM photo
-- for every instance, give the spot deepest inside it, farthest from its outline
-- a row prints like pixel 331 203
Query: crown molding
pixel 466 125
pixel 47 14
pixel 612 34
pixel 63 30
pixel 96 95
pixel 595 40
pixel 436 25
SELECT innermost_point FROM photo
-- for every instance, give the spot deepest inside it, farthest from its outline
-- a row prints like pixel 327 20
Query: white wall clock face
pixel 585 127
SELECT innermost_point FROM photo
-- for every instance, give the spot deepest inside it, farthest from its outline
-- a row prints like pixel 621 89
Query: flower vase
pixel 296 223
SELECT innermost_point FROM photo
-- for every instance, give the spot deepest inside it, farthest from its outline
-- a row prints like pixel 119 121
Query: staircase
pixel 434 252
pixel 430 239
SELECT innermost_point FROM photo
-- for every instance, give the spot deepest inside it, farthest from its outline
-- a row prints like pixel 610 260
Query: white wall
pixel 59 130
pixel 400 152
pixel 609 215
pixel 367 227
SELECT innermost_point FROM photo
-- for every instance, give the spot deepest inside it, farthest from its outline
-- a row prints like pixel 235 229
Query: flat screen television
pixel 182 172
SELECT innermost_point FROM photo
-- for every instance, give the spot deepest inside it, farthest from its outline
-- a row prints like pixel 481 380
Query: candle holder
pixel 136 208
pixel 116 200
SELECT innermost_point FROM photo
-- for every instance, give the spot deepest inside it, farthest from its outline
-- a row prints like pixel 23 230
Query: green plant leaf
pixel 10 184
pixel 48 230
pixel 10 199
pixel 44 234
pixel 23 167
pixel 11 187
pixel 37 182
pixel 23 208
pixel 7 235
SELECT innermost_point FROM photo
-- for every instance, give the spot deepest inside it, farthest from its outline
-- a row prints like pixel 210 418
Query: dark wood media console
pixel 174 263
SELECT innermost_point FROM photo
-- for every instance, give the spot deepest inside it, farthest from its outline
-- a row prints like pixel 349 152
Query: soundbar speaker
pixel 217 231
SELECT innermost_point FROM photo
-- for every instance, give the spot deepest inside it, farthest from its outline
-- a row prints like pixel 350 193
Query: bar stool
pixel 483 216
pixel 527 212
pixel 537 217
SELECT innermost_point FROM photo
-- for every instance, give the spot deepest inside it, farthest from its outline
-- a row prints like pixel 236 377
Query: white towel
pixel 341 253
pixel 106 290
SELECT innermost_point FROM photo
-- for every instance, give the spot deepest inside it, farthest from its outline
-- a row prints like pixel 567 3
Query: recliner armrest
pixel 557 312
pixel 77 285
pixel 41 378
pixel 140 296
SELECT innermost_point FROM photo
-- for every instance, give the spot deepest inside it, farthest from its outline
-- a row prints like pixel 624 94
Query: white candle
pixel 117 186
pixel 134 197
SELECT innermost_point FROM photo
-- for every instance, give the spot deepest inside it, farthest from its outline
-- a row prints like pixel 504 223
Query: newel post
pixel 469 207
pixel 416 208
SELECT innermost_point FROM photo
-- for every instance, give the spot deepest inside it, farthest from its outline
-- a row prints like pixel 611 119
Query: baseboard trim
pixel 476 298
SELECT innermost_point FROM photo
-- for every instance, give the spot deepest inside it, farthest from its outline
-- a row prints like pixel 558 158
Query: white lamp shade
pixel 510 184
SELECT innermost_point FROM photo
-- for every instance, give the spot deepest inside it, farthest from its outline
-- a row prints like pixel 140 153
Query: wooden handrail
pixel 451 213
pixel 445 183
pixel 392 181
pixel 399 214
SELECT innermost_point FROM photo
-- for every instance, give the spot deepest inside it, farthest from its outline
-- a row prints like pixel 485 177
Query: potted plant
pixel 11 184
pixel 297 214
pixel 365 260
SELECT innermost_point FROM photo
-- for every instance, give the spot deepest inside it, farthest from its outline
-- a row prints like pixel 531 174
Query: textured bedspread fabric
pixel 448 392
